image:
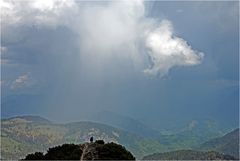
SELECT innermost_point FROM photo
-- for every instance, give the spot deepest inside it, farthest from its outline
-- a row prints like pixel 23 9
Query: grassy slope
pixel 188 155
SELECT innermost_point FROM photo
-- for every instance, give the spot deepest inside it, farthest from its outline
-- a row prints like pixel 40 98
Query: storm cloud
pixel 156 61
pixel 108 31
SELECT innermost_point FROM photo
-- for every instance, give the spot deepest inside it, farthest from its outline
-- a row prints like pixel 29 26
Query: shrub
pixel 35 156
pixel 99 141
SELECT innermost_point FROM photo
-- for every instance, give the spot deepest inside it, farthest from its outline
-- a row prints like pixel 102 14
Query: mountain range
pixel 221 148
pixel 23 135
pixel 27 134
pixel 227 144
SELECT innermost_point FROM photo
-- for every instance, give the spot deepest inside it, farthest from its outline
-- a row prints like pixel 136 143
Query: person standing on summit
pixel 91 139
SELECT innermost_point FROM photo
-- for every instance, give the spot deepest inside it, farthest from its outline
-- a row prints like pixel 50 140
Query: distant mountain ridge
pixel 227 144
pixel 124 122
pixel 29 118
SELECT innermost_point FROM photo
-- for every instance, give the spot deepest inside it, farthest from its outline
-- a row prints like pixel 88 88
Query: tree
pixel 35 156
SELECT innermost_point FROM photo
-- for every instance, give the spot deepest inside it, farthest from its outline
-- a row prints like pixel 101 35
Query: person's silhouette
pixel 91 139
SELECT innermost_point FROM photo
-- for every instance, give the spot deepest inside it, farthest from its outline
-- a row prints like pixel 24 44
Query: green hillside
pixel 188 155
pixel 227 144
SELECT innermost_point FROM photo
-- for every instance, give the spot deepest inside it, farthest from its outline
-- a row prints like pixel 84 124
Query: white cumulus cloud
pixel 21 81
pixel 167 51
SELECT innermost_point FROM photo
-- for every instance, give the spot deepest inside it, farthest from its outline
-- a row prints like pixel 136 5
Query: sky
pixel 155 61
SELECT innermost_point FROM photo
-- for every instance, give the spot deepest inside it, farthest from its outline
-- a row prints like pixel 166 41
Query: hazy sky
pixel 159 62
